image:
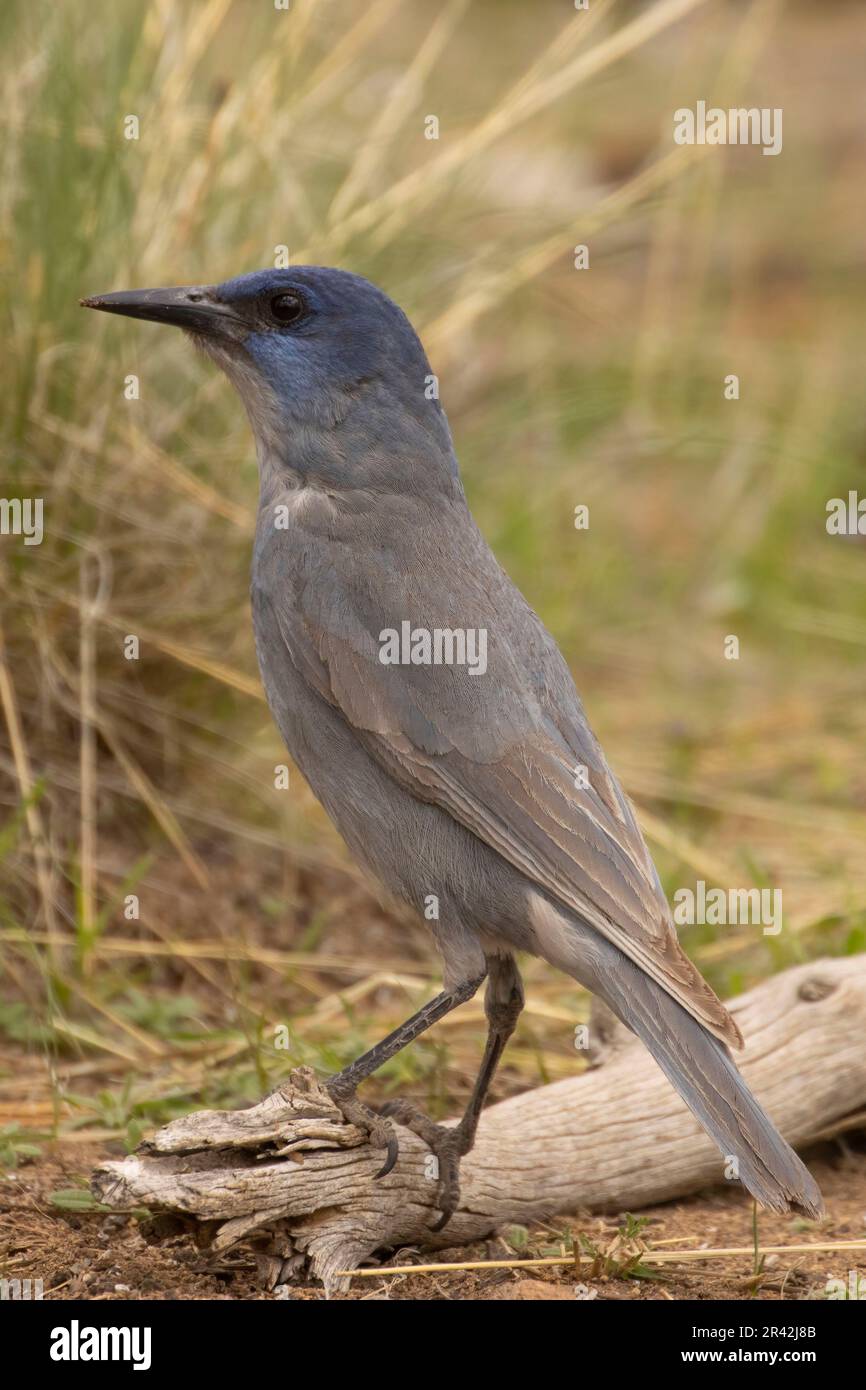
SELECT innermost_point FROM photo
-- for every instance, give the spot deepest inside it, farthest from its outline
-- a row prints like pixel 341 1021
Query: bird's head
pixel 312 351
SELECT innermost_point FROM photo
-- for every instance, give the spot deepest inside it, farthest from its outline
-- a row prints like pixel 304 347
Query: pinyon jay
pixel 482 789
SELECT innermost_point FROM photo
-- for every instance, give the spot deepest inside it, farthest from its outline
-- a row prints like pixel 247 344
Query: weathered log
pixel 291 1176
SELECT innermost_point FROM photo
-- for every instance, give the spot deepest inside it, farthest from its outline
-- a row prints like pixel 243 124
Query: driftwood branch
pixel 291 1176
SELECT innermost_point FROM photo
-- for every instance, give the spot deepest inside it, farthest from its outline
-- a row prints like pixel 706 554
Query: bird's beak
pixel 194 307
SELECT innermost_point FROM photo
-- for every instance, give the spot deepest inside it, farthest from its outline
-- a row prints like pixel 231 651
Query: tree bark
pixel 291 1177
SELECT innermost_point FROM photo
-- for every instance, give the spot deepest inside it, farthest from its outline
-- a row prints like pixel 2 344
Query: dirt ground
pixel 91 1255
pixel 94 1256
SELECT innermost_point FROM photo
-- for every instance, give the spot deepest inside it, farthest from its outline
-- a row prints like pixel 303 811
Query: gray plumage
pixel 444 782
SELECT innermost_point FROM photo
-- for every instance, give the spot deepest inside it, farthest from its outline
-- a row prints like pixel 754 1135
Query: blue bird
pixel 434 716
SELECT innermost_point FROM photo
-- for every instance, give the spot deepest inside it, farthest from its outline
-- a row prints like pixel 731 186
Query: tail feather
pixel 700 1068
pixel 696 1063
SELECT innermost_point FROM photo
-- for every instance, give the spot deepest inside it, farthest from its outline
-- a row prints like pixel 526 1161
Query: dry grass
pixel 155 777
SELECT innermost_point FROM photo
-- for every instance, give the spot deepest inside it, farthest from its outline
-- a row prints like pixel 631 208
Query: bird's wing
pixel 509 754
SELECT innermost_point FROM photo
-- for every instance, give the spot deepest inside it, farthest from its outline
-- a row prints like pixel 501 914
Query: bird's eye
pixel 288 308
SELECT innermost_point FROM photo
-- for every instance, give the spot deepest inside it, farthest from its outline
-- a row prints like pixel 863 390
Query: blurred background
pixel 153 779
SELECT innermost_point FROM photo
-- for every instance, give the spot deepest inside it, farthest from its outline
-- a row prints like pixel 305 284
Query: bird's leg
pixel 342 1087
pixel 503 1002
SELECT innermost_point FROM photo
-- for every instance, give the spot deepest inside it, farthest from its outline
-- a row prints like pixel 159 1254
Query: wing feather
pixel 500 754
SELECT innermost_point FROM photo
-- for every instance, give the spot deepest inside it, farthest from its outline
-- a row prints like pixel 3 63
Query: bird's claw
pixel 391 1157
pixel 379 1130
pixel 447 1142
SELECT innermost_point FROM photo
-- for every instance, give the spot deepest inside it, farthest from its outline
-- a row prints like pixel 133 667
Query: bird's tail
pixel 700 1068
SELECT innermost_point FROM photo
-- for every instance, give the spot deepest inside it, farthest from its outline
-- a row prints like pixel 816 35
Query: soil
pixel 94 1256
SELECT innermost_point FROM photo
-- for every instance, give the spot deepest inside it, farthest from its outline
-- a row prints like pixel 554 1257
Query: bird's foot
pixel 447 1143
pixel 379 1130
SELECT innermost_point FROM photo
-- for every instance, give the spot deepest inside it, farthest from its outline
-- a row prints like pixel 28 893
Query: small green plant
pixel 16 1146
pixel 518 1238
pixel 622 1257
pixel 77 1199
